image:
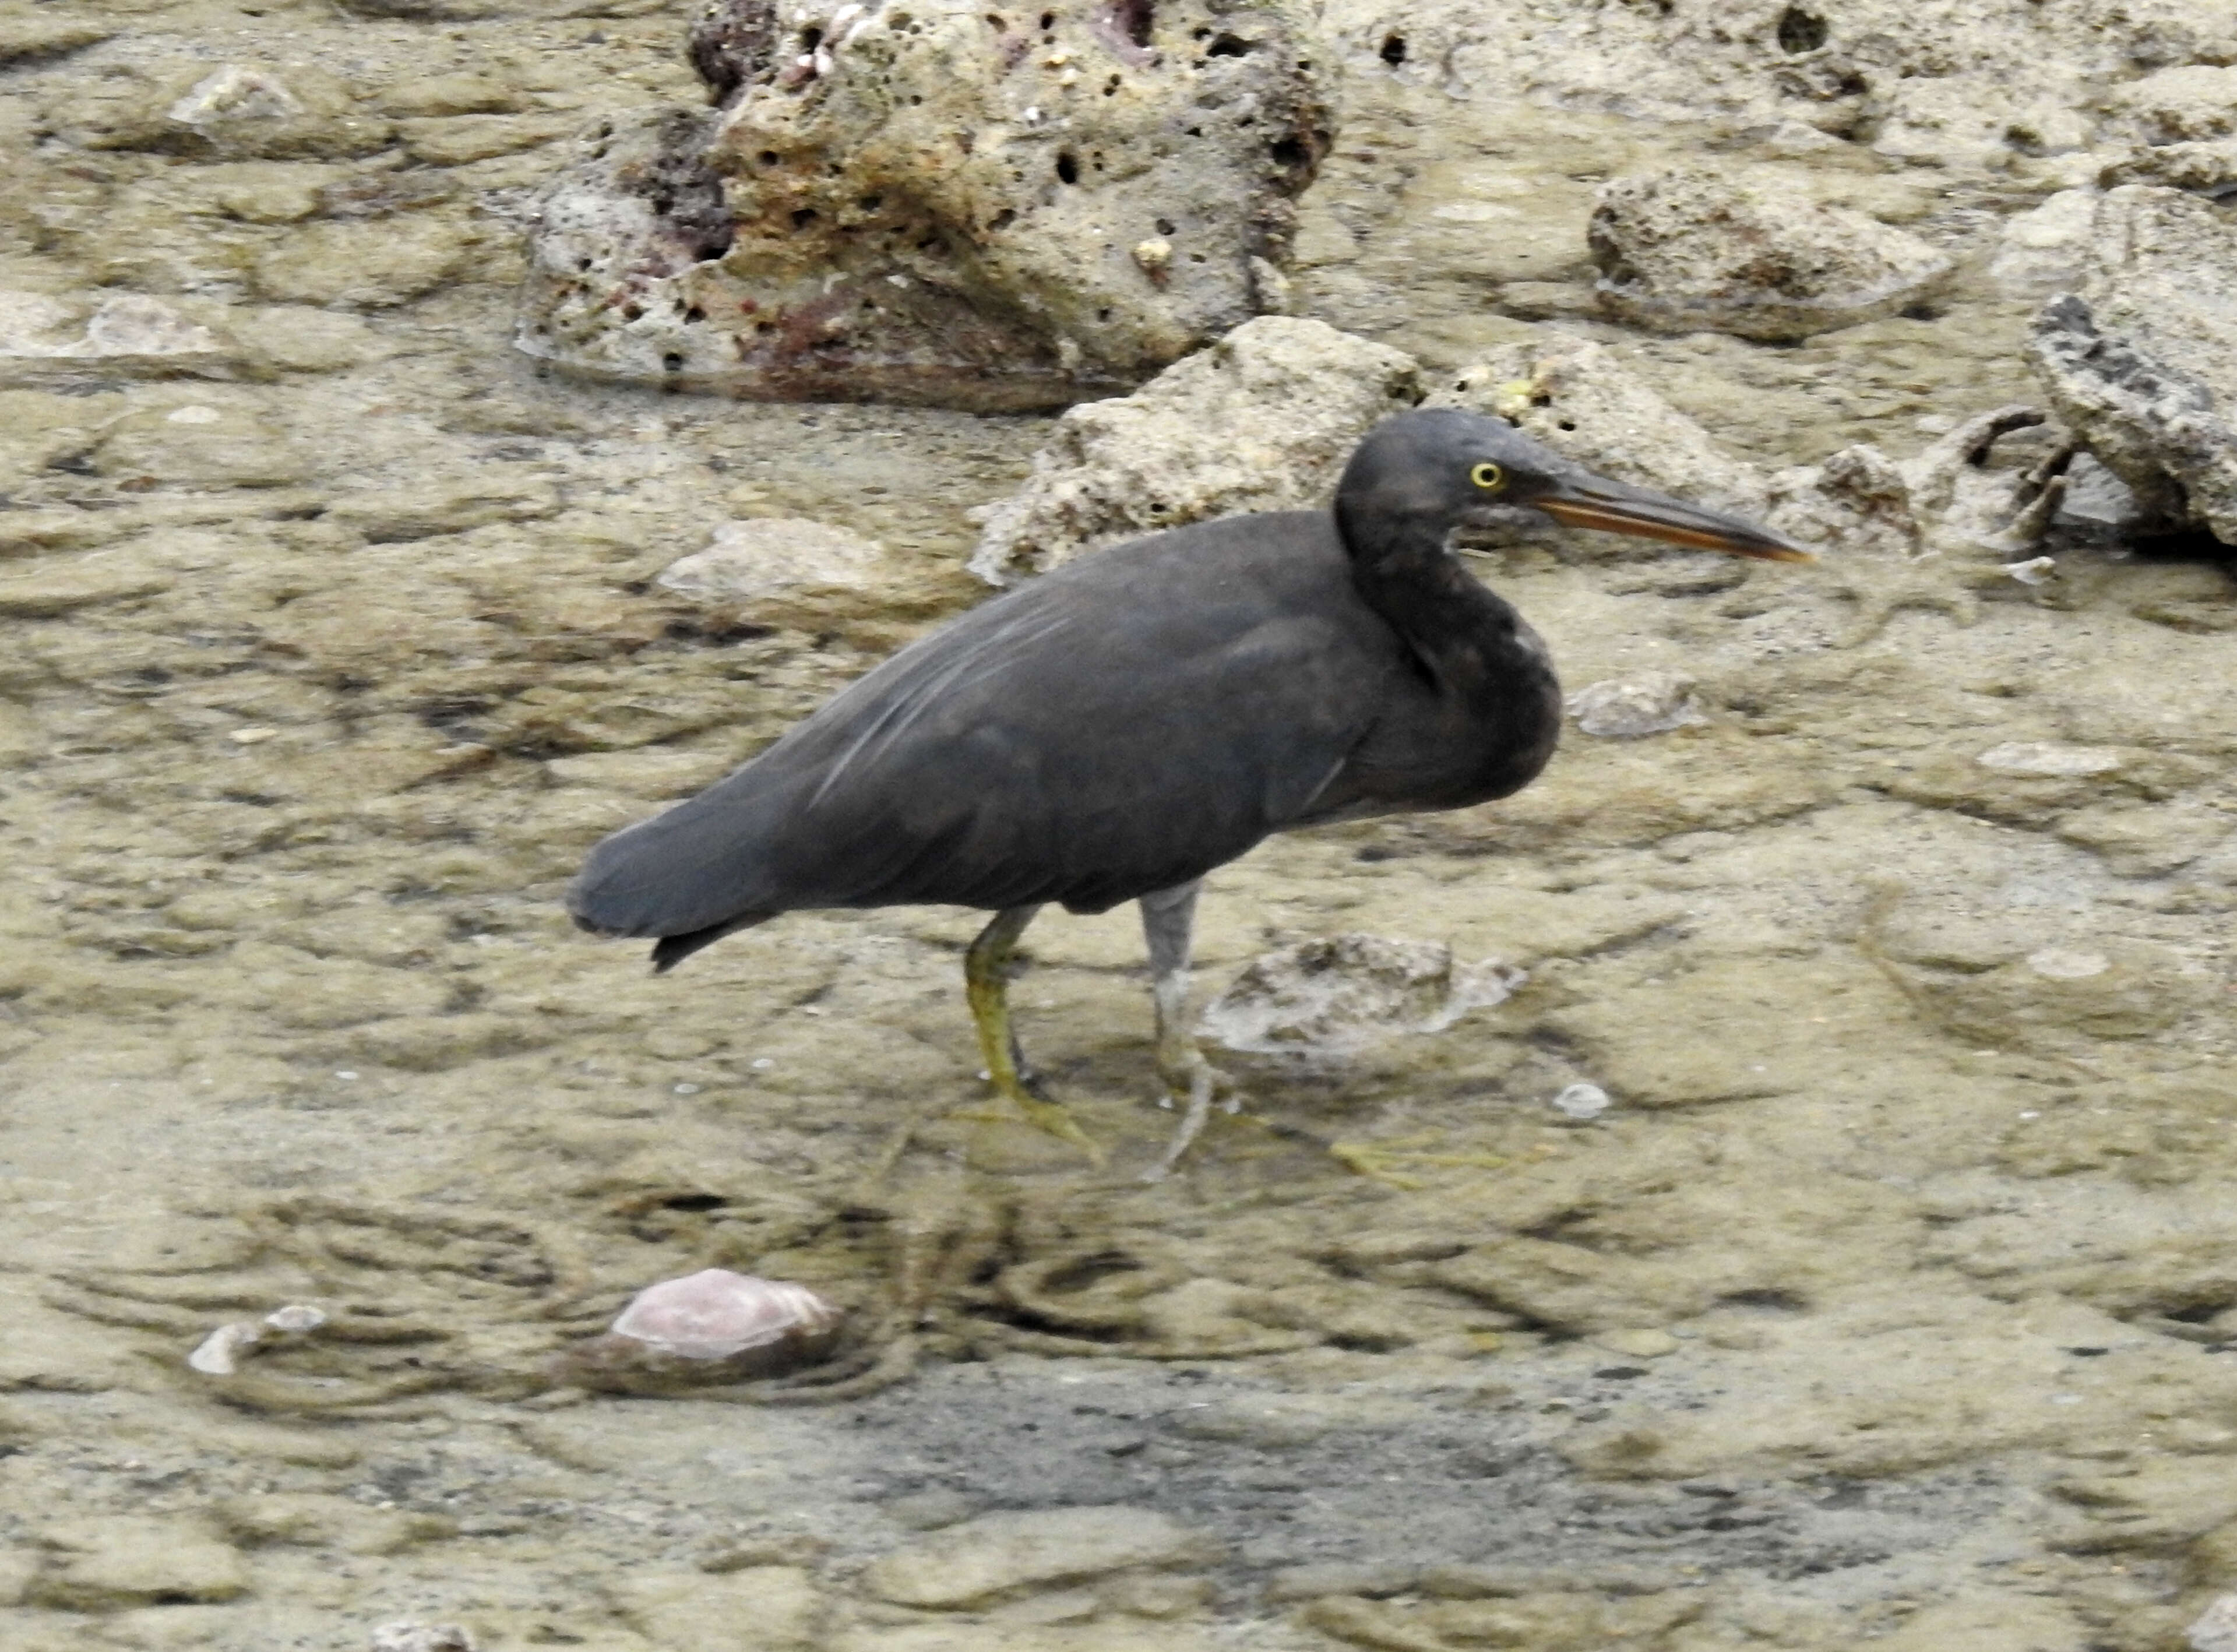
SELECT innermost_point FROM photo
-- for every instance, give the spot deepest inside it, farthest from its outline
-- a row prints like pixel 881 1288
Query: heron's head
pixel 1442 468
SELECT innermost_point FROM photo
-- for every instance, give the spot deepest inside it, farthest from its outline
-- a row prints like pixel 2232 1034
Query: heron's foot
pixel 1389 1162
pixel 1193 1085
pixel 1020 1103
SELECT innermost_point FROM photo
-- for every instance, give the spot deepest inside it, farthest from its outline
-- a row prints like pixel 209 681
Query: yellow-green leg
pixel 986 982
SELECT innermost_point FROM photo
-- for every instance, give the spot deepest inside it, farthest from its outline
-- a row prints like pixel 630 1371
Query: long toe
pixel 1193 1084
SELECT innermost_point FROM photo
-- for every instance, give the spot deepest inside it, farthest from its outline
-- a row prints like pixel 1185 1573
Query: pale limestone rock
pixel 1682 249
pixel 2208 168
pixel 2196 103
pixel 2141 362
pixel 2042 250
pixel 997 1554
pixel 757 1609
pixel 116 1561
pixel 1263 420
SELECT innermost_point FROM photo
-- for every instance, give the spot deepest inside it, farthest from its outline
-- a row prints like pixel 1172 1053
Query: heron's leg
pixel 1191 1082
pixel 986 982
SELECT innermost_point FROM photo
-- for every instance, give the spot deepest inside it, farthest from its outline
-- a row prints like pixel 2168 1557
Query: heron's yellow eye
pixel 1490 478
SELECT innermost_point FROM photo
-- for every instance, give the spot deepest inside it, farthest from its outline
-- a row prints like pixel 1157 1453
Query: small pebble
pixel 1582 1101
pixel 1630 708
pixel 218 1354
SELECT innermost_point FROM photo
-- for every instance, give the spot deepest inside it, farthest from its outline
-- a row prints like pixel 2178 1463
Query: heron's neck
pixel 1466 636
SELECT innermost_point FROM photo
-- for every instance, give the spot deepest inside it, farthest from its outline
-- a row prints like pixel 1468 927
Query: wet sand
pixel 1892 1298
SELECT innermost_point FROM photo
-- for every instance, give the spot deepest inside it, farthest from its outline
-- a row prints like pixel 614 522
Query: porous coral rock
pixel 1338 996
pixel 937 204
pixel 1682 249
pixel 1288 400
pixel 2142 361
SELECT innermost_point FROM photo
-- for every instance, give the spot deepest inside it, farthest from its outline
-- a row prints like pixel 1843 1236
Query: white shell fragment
pixel 1582 1101
pixel 712 1326
pixel 220 1353
pixel 715 1313
pixel 1338 996
pixel 2035 571
pixel 1625 708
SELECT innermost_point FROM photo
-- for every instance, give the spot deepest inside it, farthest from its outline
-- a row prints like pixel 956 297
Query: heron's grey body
pixel 1115 729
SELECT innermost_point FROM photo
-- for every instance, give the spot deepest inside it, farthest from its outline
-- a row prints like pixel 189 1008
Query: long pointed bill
pixel 1590 502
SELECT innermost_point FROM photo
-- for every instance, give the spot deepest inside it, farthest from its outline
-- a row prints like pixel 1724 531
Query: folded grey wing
pixel 1049 749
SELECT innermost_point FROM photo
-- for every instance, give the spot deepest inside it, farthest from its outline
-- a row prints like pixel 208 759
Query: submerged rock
pixel 1338 996
pixel 1628 708
pixel 712 1326
pixel 125 333
pixel 2142 361
pixel 1000 1554
pixel 1682 250
pixel 1263 420
pixel 943 204
pixel 234 112
pixel 102 1563
pixel 774 557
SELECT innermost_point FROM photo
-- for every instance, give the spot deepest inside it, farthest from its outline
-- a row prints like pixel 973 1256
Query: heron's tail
pixel 684 878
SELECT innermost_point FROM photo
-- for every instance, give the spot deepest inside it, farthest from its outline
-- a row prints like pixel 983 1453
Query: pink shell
pixel 716 1314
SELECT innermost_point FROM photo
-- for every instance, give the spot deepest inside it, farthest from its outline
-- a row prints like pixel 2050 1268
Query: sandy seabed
pixel 1893 1299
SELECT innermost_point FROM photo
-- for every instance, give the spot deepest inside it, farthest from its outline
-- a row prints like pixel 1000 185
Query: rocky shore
pixel 1826 1239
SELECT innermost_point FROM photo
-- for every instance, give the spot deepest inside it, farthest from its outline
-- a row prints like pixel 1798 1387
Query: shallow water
pixel 1891 1296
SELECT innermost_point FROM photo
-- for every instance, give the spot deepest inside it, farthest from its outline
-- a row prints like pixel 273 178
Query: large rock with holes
pixel 1683 250
pixel 947 203
pixel 2143 361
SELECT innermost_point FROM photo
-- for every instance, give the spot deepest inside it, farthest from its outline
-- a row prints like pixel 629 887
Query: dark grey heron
pixel 1114 730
